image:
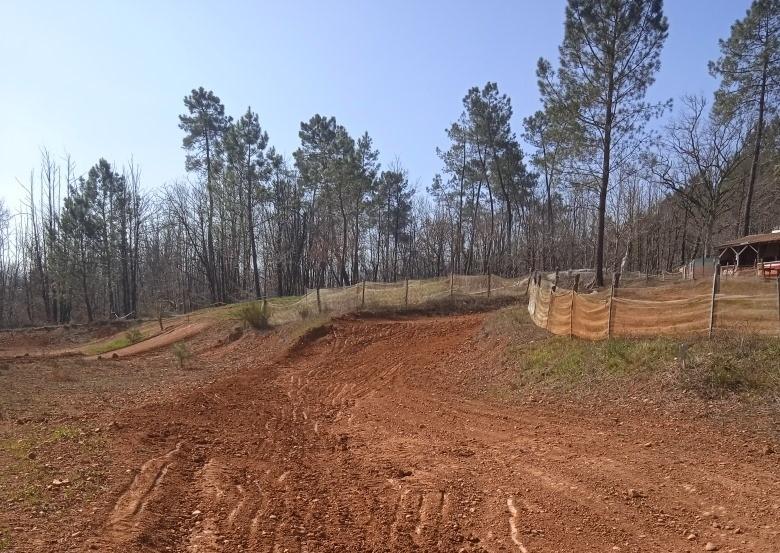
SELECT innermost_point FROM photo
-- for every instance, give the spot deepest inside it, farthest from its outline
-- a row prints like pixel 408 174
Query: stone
pixel 709 546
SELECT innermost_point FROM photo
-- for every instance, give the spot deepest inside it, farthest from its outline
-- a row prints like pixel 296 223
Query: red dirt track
pixel 379 435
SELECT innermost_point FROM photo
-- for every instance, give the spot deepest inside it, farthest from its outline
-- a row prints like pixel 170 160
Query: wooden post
pixel 571 314
pixel 452 282
pixel 319 304
pixel 609 317
pixel 576 283
pixel 363 295
pixel 555 283
pixel 406 294
pixel 488 291
pixel 549 308
pixel 778 298
pixel 715 279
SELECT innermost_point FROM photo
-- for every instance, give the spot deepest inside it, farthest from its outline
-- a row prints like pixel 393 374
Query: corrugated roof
pixel 753 239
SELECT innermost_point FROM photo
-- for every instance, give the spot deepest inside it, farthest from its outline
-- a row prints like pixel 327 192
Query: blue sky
pixel 107 78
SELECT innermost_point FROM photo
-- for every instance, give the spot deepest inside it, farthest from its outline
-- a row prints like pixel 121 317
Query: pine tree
pixel 609 56
pixel 245 144
pixel 205 125
pixel 749 68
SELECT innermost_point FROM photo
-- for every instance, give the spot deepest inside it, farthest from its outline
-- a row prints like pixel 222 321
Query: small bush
pixel 254 314
pixel 134 336
pixel 182 353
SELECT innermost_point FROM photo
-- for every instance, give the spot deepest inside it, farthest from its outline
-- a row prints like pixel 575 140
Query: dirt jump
pixel 381 434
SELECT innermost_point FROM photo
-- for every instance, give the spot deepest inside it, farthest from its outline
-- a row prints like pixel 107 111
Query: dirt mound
pixel 307 338
pixel 168 337
pixel 374 436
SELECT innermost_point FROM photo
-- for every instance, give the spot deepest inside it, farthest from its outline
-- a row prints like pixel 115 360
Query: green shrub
pixel 134 336
pixel 182 353
pixel 254 314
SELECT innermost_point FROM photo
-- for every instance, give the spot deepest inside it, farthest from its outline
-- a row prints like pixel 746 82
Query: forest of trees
pixel 598 178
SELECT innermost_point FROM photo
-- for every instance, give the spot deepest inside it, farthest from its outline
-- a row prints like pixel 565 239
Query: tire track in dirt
pixel 366 438
pixel 128 510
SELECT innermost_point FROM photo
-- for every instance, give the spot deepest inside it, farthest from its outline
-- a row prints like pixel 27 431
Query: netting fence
pixel 721 303
pixel 404 293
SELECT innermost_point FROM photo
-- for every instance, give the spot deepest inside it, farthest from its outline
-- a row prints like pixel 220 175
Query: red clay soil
pixel 376 435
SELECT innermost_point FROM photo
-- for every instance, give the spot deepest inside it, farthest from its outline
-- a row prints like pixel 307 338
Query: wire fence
pixel 404 293
pixel 722 303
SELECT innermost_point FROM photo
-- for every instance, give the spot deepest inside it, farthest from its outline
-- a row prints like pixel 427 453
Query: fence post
pixel 571 314
pixel 609 317
pixel 715 282
pixel 488 291
pixel 549 307
pixel 778 298
pixel 319 304
pixel 576 283
pixel 406 294
pixel 452 281
pixel 363 295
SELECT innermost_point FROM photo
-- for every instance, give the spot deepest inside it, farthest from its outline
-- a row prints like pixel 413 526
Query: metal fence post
pixel 363 295
pixel 406 294
pixel 319 304
pixel 488 290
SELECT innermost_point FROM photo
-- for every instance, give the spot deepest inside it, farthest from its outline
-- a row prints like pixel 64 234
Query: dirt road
pixel 379 435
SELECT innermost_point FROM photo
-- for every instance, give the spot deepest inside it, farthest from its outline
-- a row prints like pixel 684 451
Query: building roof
pixel 752 239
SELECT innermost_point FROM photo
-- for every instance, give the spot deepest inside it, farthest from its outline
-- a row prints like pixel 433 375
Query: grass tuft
pixel 254 314
pixel 134 336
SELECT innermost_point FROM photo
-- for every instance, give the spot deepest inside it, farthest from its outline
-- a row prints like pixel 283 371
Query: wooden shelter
pixel 756 251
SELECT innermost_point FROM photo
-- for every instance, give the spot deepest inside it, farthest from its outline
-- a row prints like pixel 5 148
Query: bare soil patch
pixel 402 433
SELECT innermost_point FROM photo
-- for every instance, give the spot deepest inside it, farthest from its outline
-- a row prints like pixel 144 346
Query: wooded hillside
pixel 598 178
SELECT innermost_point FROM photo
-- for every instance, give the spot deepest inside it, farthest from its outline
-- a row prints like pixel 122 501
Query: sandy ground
pixel 385 434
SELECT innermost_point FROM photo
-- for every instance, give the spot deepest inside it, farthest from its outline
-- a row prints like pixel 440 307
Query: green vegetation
pixel 134 335
pixel 725 365
pixel 61 433
pixel 234 310
pixel 567 361
pixel 733 364
pixel 182 353
pixel 111 345
pixel 255 315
